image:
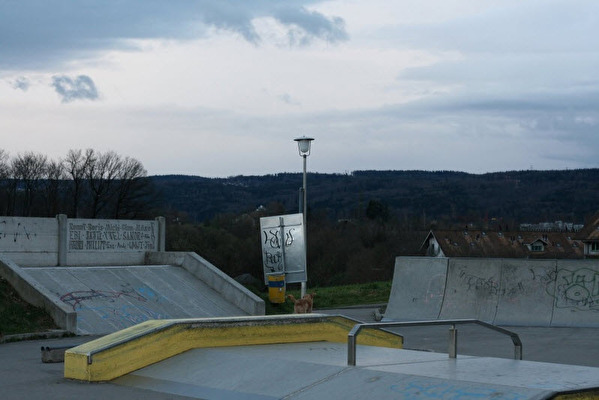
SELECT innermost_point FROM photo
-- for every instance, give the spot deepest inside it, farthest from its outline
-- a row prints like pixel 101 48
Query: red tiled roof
pixel 590 232
pixel 507 244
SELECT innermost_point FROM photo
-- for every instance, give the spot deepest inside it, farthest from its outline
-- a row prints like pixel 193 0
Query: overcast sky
pixel 220 88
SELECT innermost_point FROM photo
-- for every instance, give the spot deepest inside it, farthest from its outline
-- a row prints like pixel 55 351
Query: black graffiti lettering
pixel 477 283
pixel 271 238
pixel 577 289
pixel 289 238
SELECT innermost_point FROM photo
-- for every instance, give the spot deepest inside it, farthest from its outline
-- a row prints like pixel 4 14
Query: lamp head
pixel 303 145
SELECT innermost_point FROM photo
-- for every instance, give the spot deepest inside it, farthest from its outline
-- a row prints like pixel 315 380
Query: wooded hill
pixel 417 199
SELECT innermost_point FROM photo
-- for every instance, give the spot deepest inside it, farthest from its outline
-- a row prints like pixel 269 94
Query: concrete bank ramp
pixel 103 299
pixel 517 292
pixel 110 298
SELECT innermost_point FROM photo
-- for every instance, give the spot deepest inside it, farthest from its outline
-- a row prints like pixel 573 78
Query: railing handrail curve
pixel 353 334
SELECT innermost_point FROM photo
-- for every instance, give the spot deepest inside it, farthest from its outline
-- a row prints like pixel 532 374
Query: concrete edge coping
pixel 117 348
pixel 122 337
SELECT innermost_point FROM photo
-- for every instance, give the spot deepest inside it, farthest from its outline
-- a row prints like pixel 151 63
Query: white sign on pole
pixel 283 247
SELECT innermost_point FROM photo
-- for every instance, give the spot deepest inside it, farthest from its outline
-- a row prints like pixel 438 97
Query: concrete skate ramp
pixel 515 292
pixel 421 285
pixel 103 299
pixel 107 299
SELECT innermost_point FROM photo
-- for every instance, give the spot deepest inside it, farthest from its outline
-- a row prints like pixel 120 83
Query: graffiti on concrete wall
pixel 123 308
pixel 571 288
pixel 123 316
pixel 578 289
pixel 16 234
pixel 77 299
pixel 480 284
pixel 435 288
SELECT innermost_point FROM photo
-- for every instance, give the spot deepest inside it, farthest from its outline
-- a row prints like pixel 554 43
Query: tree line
pixel 82 184
pixel 356 250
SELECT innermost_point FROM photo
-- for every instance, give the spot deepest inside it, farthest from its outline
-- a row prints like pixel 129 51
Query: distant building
pixel 558 226
pixel 494 244
pixel 589 236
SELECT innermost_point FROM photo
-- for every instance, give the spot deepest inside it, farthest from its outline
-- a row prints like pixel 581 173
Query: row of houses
pixel 518 244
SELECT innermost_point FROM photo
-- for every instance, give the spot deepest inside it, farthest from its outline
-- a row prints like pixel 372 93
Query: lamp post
pixel 303 144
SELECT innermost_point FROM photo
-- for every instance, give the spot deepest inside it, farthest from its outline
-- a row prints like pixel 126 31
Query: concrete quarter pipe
pixel 558 293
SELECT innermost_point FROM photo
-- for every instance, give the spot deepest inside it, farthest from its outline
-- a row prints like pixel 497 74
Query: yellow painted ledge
pixel 136 347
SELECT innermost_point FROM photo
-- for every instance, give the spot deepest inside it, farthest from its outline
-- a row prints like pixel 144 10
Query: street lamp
pixel 303 145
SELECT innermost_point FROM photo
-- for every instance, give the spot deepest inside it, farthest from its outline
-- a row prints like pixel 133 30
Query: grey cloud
pixel 535 26
pixel 79 88
pixel 46 33
pixel 307 25
pixel 21 83
pixel 287 99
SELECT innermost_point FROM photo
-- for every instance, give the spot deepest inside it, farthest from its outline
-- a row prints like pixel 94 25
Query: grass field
pixel 17 316
pixel 334 296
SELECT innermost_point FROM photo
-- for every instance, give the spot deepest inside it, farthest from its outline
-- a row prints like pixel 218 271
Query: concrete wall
pixel 561 293
pixel 230 289
pixel 62 241
pixel 32 241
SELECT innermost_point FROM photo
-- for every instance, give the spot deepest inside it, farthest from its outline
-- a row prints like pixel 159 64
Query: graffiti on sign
pixel 273 254
pixel 283 249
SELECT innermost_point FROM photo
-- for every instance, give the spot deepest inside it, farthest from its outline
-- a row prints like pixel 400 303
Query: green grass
pixel 17 316
pixel 333 296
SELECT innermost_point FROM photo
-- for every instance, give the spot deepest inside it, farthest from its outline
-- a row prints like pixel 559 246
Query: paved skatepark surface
pixel 24 376
pixel 110 298
pixel 319 371
pixel 576 346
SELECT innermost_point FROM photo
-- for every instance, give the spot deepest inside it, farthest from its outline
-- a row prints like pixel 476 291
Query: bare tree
pixel 4 166
pixel 54 177
pixel 28 168
pixel 5 183
pixel 76 165
pixel 130 187
pixel 101 175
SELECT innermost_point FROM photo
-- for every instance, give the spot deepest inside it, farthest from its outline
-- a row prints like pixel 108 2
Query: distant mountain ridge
pixel 418 197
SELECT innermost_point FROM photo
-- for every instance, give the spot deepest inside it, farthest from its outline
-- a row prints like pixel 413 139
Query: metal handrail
pixel 353 334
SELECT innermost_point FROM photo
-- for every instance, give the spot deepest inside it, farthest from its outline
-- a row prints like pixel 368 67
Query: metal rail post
pixel 453 342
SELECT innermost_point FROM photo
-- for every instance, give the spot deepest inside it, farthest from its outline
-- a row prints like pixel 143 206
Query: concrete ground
pixel 24 376
pixel 576 346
